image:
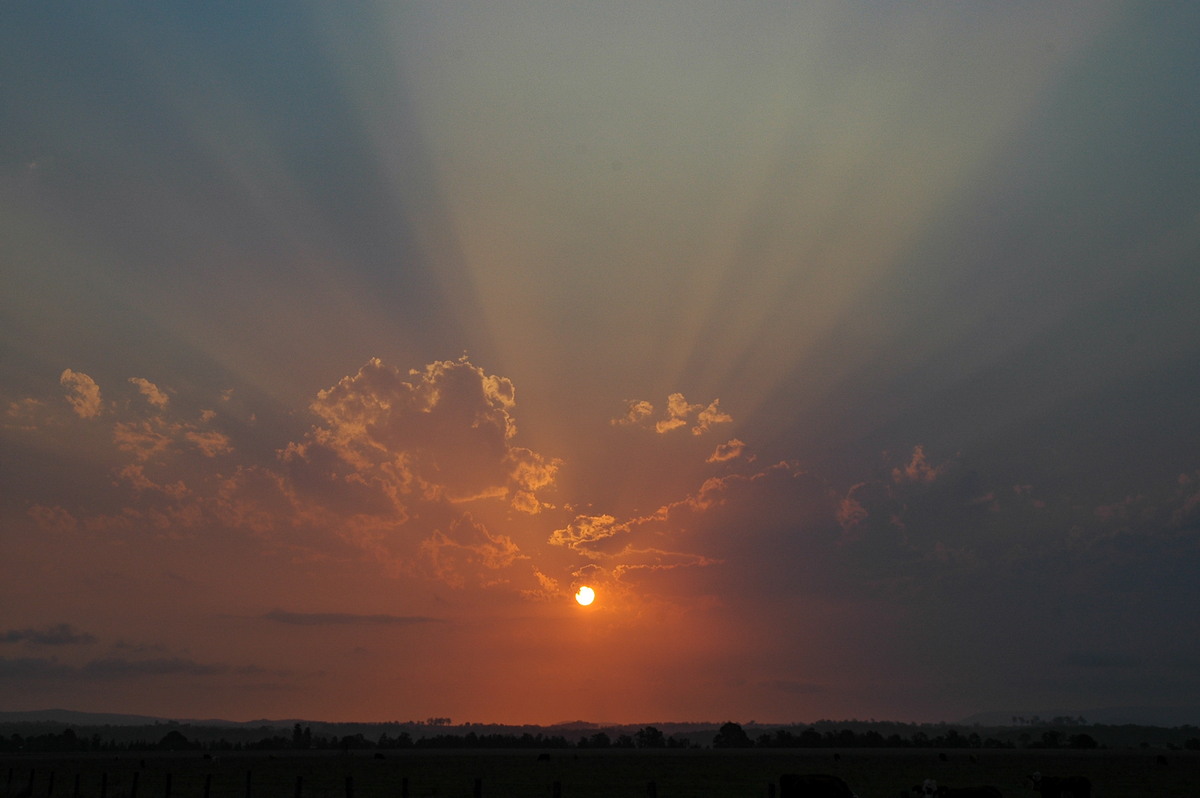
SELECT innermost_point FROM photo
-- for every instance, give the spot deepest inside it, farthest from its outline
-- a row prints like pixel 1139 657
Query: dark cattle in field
pixel 1061 786
pixel 813 785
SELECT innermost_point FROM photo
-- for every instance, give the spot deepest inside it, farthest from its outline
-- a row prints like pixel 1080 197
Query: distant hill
pixel 70 717
pixel 1163 717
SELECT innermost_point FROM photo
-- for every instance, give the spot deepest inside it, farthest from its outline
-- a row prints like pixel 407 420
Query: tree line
pixel 729 735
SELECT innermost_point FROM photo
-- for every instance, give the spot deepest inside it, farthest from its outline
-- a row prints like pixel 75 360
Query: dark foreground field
pixel 580 774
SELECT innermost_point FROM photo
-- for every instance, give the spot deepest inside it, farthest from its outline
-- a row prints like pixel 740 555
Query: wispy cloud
pixel 62 634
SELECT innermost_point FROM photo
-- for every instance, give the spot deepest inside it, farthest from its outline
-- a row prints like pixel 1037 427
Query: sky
pixel 848 350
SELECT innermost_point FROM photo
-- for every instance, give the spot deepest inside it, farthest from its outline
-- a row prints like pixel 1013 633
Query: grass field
pixel 583 774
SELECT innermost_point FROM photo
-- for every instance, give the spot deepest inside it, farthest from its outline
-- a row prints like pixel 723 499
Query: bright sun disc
pixel 585 596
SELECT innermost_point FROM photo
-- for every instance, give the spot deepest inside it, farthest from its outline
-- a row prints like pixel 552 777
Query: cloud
pixel 25 414
pixel 730 450
pixel 345 619
pixel 149 390
pixel 53 519
pixel 466 547
pixel 679 413
pixel 443 432
pixel 153 437
pixel 117 668
pixel 851 511
pixel 586 531
pixel 33 668
pixel 548 588
pixel 209 442
pixel 918 468
pixel 84 394
pixel 61 634
pixel 709 416
pixel 637 411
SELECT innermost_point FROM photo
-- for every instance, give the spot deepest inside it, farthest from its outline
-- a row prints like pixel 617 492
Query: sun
pixel 585 596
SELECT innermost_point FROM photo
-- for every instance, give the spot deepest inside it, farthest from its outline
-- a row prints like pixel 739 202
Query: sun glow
pixel 585 596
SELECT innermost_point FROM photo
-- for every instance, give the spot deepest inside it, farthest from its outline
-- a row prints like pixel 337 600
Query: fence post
pixel 404 787
pixel 478 791
pixel 133 787
pixel 349 787
pixel 104 784
pixel 651 790
pixel 167 790
pixel 247 784
pixel 50 788
pixel 556 790
pixel 299 786
pixel 207 784
pixel 29 787
pixel 75 792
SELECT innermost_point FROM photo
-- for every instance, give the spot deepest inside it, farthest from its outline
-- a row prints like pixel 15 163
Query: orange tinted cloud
pixel 679 413
pixel 445 431
pixel 149 390
pixel 84 394
pixel 730 450
pixel 918 468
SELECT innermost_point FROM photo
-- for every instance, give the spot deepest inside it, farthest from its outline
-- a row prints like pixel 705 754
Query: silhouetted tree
pixel 1084 741
pixel 597 740
pixel 731 735
pixel 650 737
pixel 174 741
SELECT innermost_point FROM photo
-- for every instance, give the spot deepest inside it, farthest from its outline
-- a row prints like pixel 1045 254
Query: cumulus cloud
pixel 679 413
pixel 730 450
pixel 709 416
pixel 444 431
pixel 149 390
pixel 678 410
pixel 636 411
pixel 84 396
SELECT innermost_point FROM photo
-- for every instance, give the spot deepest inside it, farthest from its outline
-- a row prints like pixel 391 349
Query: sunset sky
pixel 849 350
